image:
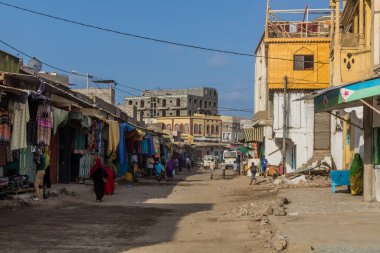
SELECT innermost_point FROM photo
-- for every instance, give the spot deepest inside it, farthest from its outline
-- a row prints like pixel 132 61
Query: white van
pixel 229 157
pixel 207 160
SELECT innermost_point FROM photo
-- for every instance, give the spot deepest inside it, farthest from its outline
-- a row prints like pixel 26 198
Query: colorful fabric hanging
pixel 27 165
pixel 79 142
pixel 113 138
pixel 5 126
pixel 44 124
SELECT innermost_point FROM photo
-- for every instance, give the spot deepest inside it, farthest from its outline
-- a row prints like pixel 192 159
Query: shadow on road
pixel 75 226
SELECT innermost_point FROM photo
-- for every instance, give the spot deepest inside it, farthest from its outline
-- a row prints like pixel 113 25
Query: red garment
pixel 110 183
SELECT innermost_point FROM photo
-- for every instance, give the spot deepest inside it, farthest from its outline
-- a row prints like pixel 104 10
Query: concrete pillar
pixel 361 23
pixel 368 192
pixel 337 80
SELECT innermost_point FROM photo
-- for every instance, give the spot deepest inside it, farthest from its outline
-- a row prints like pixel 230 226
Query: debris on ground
pixel 279 241
pixel 14 204
pixel 301 181
pixel 64 191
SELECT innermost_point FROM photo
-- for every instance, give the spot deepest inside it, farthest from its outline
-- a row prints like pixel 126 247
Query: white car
pixel 207 160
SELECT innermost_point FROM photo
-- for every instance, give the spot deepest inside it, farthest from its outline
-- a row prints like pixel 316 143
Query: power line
pixel 149 38
pixel 125 33
pixel 234 109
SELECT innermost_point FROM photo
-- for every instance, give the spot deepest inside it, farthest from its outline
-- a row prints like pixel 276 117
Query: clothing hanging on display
pixel 59 116
pixel 79 142
pixel 113 138
pixel 21 118
pixel 5 126
pixel 44 124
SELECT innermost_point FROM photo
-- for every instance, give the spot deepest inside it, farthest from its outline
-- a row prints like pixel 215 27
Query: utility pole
pixel 284 125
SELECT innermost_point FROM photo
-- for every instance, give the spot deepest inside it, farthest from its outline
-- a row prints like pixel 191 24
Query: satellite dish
pixel 34 64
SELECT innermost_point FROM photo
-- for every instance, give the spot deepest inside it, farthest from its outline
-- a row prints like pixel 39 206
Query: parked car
pixel 207 160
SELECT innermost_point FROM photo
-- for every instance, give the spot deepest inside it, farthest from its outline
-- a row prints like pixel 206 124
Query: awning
pixel 255 134
pixel 346 96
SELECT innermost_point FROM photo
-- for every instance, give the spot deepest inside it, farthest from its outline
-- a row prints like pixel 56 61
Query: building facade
pixel 353 96
pixel 299 51
pixel 230 129
pixel 174 103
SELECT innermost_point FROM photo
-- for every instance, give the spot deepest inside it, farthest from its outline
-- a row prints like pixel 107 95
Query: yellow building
pixel 305 61
pixel 201 127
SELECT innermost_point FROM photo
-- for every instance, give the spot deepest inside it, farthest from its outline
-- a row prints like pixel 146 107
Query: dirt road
pixel 191 215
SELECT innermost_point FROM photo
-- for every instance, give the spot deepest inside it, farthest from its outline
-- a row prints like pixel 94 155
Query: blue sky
pixel 222 24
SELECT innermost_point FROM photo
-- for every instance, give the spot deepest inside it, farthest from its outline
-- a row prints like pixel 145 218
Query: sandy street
pixel 191 215
pixel 195 214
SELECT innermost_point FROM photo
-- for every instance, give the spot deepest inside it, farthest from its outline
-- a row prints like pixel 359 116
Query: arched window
pixel 181 128
pixel 178 102
pixel 212 129
pixel 142 104
pixel 200 131
pixel 217 130
pixel 176 127
pixel 130 102
pixel 196 129
pixel 163 102
pixel 207 129
pixel 187 129
pixel 169 127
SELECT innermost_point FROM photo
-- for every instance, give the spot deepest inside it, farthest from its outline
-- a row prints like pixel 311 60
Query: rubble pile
pixel 259 212
pixel 301 181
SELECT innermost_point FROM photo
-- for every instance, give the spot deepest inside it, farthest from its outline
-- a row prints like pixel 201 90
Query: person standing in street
pixel 264 164
pixel 170 170
pixel 253 170
pixel 99 175
pixel 212 168
pixel 188 163
pixel 40 161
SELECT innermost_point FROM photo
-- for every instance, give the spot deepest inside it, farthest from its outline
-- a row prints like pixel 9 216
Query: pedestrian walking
pixel 170 170
pixel 99 175
pixel 264 164
pixel 158 171
pixel 41 160
pixel 212 168
pixel 238 161
pixel 253 170
pixel 188 163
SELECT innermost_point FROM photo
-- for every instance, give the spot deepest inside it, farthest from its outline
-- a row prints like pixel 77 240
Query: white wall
pixel 261 98
pixel 356 115
pixel 300 126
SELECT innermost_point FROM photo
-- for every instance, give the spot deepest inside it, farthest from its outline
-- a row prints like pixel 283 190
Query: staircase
pixel 318 156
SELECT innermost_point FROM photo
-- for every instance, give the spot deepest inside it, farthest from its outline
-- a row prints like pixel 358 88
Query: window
pixel 142 104
pixel 178 113
pixel 205 104
pixel 200 129
pixel 303 62
pixel 163 126
pixel 214 104
pixel 169 127
pixel 209 103
pixel 163 102
pixel 187 129
pixel 190 112
pixel 178 102
pixel 215 93
pixel 217 130
pixel 196 129
pixel 130 102
pixel 212 130
pixel 176 127
pixel 163 113
pixel 207 129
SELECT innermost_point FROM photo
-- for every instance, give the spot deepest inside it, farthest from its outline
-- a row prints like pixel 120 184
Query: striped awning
pixel 254 134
